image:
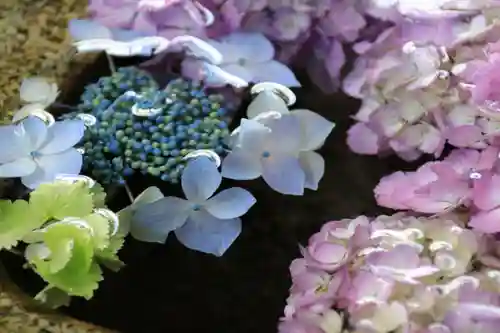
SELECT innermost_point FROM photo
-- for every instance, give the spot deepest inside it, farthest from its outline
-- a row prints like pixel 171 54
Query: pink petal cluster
pixel 428 80
pixel 395 274
pixel 467 178
pixel 309 33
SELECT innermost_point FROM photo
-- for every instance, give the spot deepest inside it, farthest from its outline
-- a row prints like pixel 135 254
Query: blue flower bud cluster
pixel 183 118
pixel 98 96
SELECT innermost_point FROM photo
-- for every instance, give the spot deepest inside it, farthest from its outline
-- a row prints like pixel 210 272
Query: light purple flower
pixel 201 222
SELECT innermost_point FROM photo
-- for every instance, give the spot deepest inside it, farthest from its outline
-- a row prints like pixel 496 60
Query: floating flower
pixel 246 58
pixel 202 222
pixel 270 151
pixel 269 105
pixel 38 153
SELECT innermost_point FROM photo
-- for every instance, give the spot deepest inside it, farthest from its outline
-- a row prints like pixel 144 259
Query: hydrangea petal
pixel 254 47
pixel 252 135
pixel 153 222
pixel 81 29
pixel 266 101
pixel 35 130
pixel 273 71
pixel 50 166
pixel 18 145
pixel 215 76
pixel 284 174
pixel 313 165
pixel 486 221
pixel 240 165
pixel 62 135
pixel 315 128
pixel 18 168
pixel 206 233
pixel 230 203
pixel 200 179
pixel 285 135
pixel 38 90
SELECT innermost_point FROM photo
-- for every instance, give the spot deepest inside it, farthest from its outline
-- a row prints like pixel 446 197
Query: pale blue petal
pixel 87 29
pixel 273 71
pixel 198 48
pixel 284 174
pixel 36 131
pixel 231 203
pixel 313 165
pixel 153 222
pixel 126 35
pixel 205 233
pixel 52 166
pixel 63 135
pixel 18 168
pixel 252 135
pixel 240 165
pixel 15 143
pixel 200 179
pixel 314 128
pixel 215 76
pixel 266 101
pixel 285 134
pixel 68 162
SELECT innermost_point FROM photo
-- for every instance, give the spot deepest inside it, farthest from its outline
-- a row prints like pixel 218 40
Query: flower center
pixel 266 154
pixel 242 62
pixel 35 154
pixel 196 207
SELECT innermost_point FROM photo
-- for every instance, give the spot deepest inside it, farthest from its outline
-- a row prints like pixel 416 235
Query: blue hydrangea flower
pixel 201 222
pixel 37 152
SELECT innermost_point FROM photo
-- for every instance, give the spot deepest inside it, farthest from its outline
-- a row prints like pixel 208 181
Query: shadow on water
pixel 172 289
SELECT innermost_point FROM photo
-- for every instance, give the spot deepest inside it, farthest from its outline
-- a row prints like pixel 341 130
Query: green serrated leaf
pixel 53 297
pixel 62 199
pixel 98 196
pixel 17 219
pixel 80 275
pixel 109 256
pixel 101 230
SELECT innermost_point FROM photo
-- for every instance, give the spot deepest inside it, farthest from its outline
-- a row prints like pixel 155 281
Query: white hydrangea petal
pixel 273 71
pixel 266 101
pixel 215 76
pixel 314 128
pixel 231 203
pixel 285 135
pixel 36 131
pixel 206 233
pixel 240 165
pixel 63 135
pixel 38 90
pixel 18 143
pixel 252 135
pixel 199 48
pixel 19 168
pixel 284 174
pixel 39 176
pixel 200 179
pixel 153 222
pixel 313 165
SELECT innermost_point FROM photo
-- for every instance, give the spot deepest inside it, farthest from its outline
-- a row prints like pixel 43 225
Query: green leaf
pixel 100 230
pixel 109 256
pixel 17 219
pixel 53 297
pixel 98 196
pixel 60 199
pixel 80 274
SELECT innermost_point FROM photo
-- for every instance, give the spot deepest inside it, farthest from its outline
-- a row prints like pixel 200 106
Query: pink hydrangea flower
pixel 408 274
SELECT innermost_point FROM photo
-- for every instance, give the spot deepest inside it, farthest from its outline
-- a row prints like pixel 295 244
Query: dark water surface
pixel 172 289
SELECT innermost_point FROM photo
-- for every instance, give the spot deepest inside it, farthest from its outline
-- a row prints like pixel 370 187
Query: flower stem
pixel 111 63
pixel 129 192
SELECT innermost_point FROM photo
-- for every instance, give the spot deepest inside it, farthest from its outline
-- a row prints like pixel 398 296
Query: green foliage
pixel 69 233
